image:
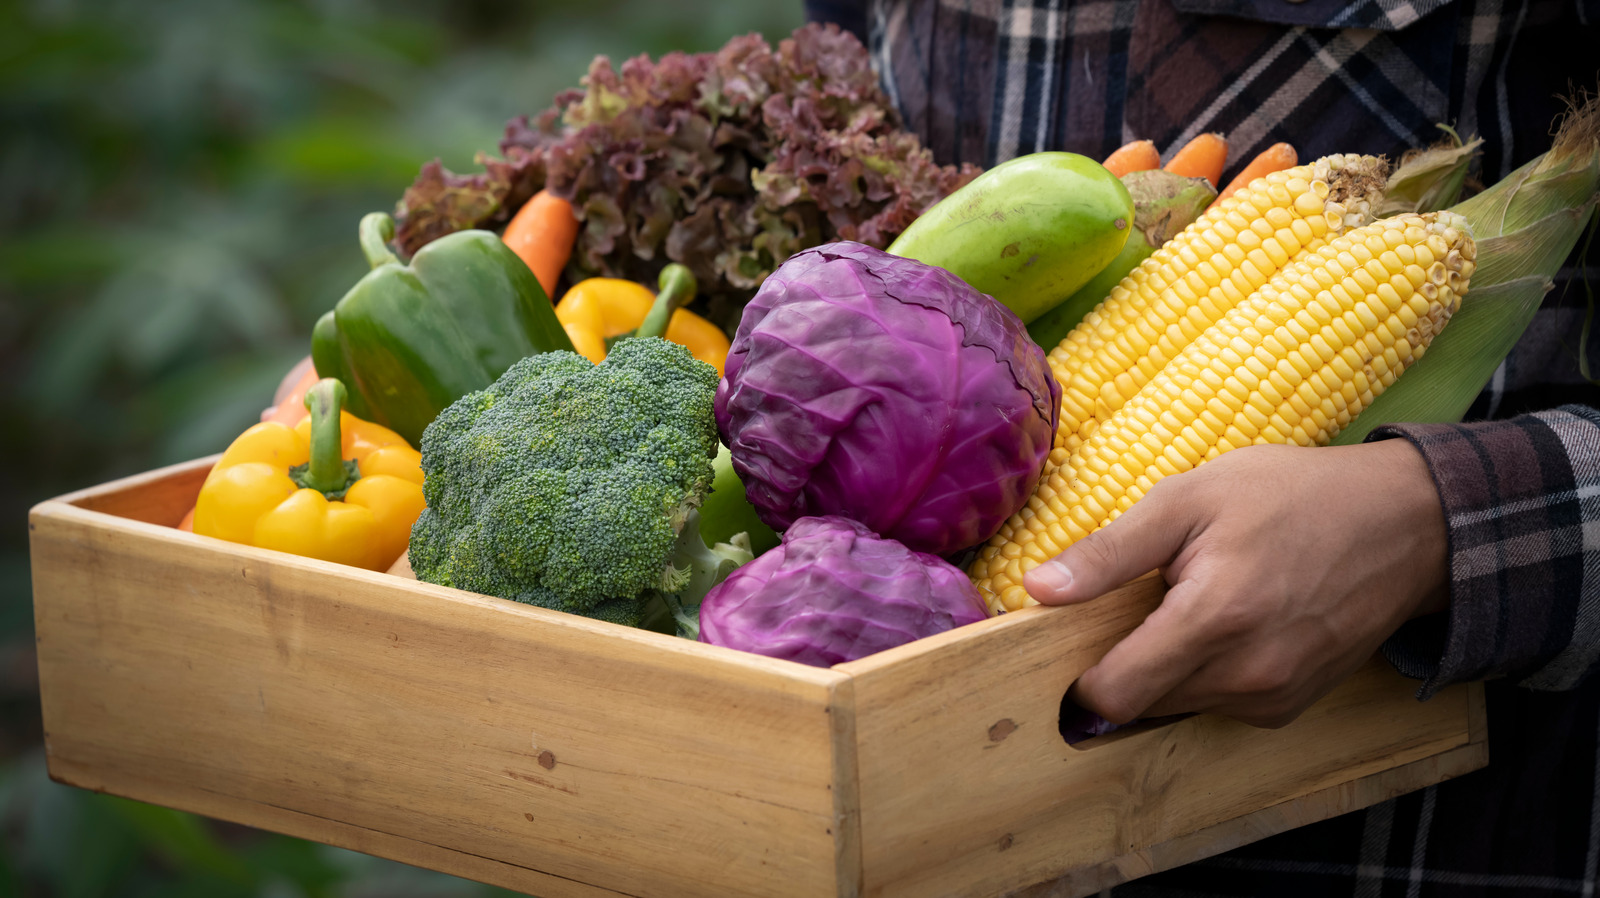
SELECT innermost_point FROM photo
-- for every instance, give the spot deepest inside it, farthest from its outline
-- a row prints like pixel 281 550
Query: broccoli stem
pixel 692 571
pixel 677 289
pixel 702 566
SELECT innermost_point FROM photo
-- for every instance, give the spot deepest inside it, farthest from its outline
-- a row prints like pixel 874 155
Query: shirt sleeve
pixel 851 15
pixel 1521 500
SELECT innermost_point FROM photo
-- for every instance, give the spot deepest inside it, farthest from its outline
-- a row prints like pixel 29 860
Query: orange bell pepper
pixel 289 403
pixel 599 309
pixel 332 487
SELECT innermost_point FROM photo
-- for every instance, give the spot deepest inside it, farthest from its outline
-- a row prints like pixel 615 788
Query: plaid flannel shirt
pixel 986 80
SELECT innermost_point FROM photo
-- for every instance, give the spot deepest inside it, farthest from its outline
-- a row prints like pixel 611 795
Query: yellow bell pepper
pixel 333 487
pixel 599 309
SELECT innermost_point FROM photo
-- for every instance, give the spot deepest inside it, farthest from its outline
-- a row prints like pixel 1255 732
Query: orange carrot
pixel 542 233
pixel 1140 155
pixel 1277 157
pixel 1202 157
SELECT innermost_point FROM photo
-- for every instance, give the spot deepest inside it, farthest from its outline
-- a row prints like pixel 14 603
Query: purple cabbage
pixel 834 591
pixel 888 391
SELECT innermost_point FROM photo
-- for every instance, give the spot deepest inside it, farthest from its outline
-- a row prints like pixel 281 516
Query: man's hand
pixel 1288 567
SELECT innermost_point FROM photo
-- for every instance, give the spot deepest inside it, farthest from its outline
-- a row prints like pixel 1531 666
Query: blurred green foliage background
pixel 180 182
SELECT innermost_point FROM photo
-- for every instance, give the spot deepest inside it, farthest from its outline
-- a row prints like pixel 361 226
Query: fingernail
pixel 1050 578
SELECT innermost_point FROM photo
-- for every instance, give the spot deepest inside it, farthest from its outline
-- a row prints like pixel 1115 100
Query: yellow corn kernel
pixel 1196 278
pixel 1221 391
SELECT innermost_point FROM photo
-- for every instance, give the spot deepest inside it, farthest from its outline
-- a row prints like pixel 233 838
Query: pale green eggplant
pixel 1029 232
pixel 1163 205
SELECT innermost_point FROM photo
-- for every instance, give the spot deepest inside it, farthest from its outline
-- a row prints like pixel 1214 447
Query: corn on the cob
pixel 1198 276
pixel 1292 364
pixel 1526 227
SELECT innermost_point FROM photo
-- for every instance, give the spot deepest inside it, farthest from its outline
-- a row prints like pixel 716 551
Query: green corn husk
pixel 1431 179
pixel 1525 227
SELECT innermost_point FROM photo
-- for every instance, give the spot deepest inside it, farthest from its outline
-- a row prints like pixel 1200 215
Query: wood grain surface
pixel 174 665
pixel 569 758
pixel 969 721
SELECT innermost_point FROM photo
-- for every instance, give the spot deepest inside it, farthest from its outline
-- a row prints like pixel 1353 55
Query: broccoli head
pixel 572 486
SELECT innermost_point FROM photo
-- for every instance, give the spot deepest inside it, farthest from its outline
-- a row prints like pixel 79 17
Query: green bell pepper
pixel 410 340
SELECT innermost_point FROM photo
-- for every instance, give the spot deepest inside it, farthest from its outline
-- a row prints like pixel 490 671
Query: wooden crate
pixel 567 757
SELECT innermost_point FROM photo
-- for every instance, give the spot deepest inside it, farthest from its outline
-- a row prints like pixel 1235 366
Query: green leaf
pixel 181 839
pixel 303 863
pixel 74 842
pixel 10 882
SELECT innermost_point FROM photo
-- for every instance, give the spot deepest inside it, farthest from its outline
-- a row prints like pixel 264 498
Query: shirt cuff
pixel 1514 523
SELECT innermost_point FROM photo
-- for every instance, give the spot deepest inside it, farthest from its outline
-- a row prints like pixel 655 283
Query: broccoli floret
pixel 572 486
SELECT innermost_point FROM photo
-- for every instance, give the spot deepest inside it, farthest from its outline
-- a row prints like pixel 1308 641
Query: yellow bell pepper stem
pixel 677 285
pixel 333 487
pixel 597 311
pixel 327 471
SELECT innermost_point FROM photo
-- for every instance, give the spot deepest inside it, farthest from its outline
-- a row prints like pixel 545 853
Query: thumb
pixel 1145 537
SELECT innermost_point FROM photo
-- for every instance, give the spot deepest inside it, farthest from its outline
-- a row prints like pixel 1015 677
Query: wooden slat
pixel 968 722
pixel 162 496
pixel 1231 834
pixel 574 759
pixel 173 665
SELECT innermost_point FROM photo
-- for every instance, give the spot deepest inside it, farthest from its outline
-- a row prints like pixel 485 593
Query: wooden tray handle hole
pixel 1083 730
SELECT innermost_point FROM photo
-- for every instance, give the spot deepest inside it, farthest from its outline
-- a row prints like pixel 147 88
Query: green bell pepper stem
pixel 326 472
pixel 678 286
pixel 409 339
pixel 376 230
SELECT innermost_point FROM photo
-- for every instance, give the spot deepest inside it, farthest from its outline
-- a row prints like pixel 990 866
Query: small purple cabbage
pixel 888 391
pixel 834 591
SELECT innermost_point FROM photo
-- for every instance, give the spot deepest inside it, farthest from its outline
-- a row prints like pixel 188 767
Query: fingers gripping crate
pixel 567 757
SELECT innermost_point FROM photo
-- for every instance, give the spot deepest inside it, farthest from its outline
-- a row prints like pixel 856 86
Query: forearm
pixel 1519 496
